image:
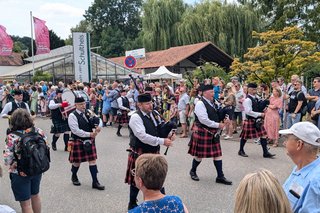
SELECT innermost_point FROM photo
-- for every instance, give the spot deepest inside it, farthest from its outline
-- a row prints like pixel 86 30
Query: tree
pixel 209 70
pixel 55 41
pixel 160 23
pixel 42 76
pixel 229 26
pixel 278 53
pixel 18 46
pixel 104 16
pixel 284 13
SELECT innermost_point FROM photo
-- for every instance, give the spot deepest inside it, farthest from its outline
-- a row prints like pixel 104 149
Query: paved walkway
pixel 60 196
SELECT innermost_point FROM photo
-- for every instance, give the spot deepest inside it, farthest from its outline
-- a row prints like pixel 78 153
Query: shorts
pixel 106 111
pixel 182 117
pixel 114 111
pixel 24 187
pixel 238 115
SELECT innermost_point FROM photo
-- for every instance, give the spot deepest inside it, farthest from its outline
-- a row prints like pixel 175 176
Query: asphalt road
pixel 60 196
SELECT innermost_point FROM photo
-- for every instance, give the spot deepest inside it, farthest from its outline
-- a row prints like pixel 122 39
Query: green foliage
pixel 228 26
pixel 55 41
pixel 160 23
pixel 18 46
pixel 106 19
pixel 209 70
pixel 279 53
pixel 42 76
pixel 284 13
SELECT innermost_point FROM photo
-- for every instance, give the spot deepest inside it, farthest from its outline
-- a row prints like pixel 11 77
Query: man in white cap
pixel 303 185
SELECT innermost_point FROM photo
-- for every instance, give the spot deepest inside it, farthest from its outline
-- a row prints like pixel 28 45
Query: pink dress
pixel 272 118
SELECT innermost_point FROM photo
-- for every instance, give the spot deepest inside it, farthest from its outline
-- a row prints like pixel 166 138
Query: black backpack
pixel 34 153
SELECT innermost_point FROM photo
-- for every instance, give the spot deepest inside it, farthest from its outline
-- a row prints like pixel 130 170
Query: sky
pixel 60 15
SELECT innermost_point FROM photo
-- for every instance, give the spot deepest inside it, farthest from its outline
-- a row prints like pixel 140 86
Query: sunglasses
pixel 133 172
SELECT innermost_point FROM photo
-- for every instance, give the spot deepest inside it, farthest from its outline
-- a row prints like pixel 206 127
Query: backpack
pixel 34 153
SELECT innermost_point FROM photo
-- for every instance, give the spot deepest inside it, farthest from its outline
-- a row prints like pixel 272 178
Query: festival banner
pixel 41 36
pixel 6 43
pixel 81 56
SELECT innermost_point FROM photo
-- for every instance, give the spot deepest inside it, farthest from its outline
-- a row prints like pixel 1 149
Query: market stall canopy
pixel 164 73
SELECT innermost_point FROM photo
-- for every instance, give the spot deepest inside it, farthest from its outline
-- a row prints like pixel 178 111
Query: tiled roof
pixel 170 57
pixel 13 60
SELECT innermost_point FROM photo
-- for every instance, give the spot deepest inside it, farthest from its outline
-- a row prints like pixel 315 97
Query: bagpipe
pixel 134 80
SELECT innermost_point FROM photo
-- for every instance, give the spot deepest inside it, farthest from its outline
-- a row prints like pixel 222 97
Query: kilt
pixel 249 130
pixel 78 155
pixel 60 126
pixel 203 144
pixel 123 118
pixel 132 157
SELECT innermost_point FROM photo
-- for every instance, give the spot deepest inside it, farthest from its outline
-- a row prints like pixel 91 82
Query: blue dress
pixel 168 204
pixel 106 105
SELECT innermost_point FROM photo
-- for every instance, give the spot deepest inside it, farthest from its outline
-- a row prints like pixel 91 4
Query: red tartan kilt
pixel 78 155
pixel 132 157
pixel 203 144
pixel 249 130
pixel 123 118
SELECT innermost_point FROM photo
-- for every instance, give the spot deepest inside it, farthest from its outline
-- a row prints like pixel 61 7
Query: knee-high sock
pixel 66 139
pixel 264 146
pixel 242 143
pixel 74 170
pixel 119 127
pixel 218 165
pixel 54 139
pixel 195 164
pixel 133 194
pixel 94 170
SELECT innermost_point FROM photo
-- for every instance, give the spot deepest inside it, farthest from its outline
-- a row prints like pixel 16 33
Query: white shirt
pixel 8 107
pixel 53 105
pixel 74 125
pixel 120 103
pixel 247 104
pixel 139 130
pixel 202 114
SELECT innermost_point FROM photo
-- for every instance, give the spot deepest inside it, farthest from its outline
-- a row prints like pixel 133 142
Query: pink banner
pixel 42 36
pixel 6 43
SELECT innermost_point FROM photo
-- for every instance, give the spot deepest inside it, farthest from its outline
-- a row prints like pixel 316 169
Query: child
pixel 43 106
pixel 173 110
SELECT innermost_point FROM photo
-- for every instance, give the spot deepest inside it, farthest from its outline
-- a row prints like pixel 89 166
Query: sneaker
pixel 228 137
pixel 223 134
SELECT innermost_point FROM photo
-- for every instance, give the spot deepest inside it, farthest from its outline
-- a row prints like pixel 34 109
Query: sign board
pixel 138 53
pixel 130 62
pixel 81 57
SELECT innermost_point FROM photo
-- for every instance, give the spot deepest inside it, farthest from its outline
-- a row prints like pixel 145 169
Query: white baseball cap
pixel 306 131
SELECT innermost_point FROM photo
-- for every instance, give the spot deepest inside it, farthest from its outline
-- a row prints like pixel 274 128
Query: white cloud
pixel 61 9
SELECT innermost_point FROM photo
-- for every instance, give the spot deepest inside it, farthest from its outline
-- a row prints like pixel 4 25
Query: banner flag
pixel 6 43
pixel 81 56
pixel 41 36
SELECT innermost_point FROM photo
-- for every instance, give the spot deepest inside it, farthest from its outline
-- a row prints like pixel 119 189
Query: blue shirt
pixel 306 183
pixel 168 204
pixel 216 90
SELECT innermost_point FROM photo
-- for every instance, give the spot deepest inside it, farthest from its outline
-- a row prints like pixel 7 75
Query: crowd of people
pixel 205 112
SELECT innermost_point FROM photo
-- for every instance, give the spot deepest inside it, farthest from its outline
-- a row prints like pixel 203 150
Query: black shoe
pixel 223 180
pixel 268 155
pixel 97 185
pixel 235 132
pixel 194 176
pixel 132 205
pixel 75 180
pixel 54 147
pixel 66 148
pixel 119 134
pixel 242 153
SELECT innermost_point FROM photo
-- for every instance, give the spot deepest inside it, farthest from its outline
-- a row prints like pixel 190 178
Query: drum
pixel 68 96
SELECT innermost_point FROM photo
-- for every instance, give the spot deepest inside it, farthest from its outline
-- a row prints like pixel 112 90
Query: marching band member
pixel 143 139
pixel 124 108
pixel 84 129
pixel 251 128
pixel 10 107
pixel 60 124
pixel 205 140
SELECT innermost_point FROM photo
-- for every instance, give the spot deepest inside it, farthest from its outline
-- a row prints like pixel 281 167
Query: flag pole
pixel 31 18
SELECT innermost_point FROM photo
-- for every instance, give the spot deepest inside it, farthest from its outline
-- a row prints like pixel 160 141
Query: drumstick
pixel 173 131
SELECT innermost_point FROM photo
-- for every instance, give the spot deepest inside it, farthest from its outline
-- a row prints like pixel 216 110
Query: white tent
pixel 164 73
